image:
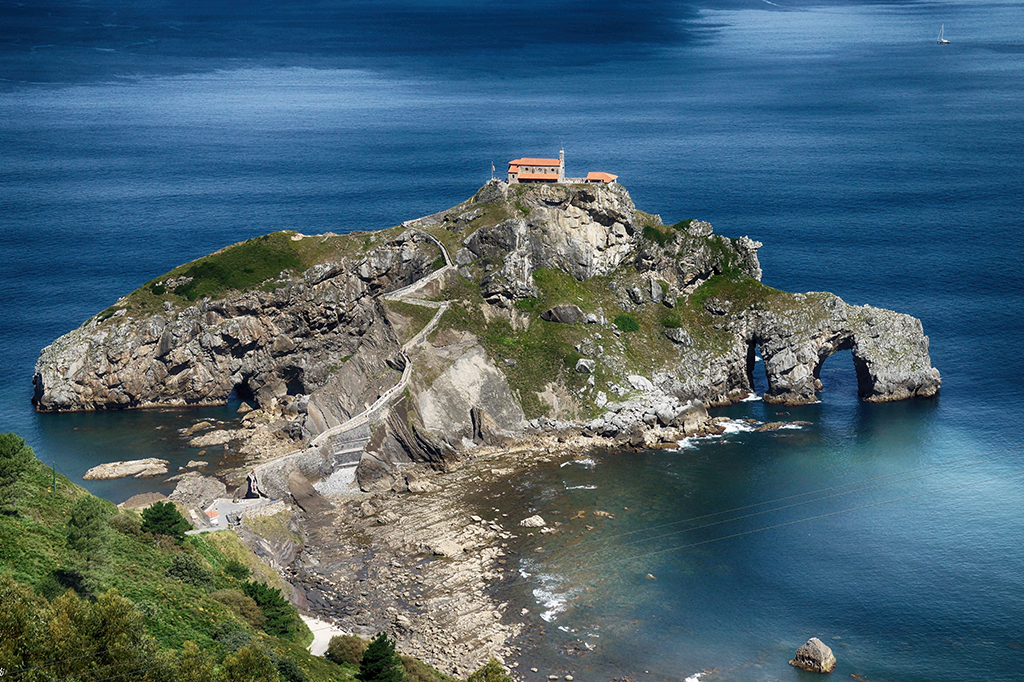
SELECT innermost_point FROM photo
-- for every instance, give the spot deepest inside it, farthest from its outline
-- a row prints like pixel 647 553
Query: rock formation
pixel 138 468
pixel 563 305
pixel 290 338
pixel 814 657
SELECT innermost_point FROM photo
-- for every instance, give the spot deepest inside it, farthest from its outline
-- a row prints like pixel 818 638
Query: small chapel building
pixel 549 170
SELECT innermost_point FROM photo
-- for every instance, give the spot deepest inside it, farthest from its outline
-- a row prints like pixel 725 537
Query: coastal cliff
pixel 525 306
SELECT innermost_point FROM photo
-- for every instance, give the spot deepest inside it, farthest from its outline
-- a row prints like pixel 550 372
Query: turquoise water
pixel 869 160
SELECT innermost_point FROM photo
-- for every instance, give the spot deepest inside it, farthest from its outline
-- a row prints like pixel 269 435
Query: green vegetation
pixel 163 518
pixel 380 662
pixel 491 672
pixel 654 234
pixel 89 594
pixel 282 618
pixel 249 265
pixel 346 649
pixel 627 323
pixel 417 315
pixel 239 267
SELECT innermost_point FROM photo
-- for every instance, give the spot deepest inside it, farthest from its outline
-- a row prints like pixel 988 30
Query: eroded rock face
pixel 291 340
pixel 582 230
pixel 814 657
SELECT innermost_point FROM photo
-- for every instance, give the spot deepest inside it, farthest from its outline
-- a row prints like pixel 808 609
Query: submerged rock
pixel 814 657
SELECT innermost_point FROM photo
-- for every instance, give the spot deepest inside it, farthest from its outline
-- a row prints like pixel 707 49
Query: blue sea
pixel 870 161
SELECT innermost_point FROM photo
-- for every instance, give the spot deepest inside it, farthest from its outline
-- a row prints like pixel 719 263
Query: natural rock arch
pixel 889 350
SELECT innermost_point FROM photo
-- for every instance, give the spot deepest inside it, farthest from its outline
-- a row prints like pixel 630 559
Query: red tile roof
pixel 535 162
pixel 601 177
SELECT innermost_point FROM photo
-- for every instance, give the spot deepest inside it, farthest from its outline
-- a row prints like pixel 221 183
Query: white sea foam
pixel 752 398
pixel 586 462
pixel 696 676
pixel 737 427
pixel 548 593
pixel 579 487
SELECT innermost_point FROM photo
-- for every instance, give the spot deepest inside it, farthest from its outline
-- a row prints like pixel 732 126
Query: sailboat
pixel 941 40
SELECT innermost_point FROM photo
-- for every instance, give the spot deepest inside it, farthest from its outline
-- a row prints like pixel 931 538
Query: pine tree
pixel 87 528
pixel 380 662
pixel 165 519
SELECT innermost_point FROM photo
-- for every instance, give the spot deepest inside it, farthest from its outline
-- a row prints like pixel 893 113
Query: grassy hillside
pixel 88 594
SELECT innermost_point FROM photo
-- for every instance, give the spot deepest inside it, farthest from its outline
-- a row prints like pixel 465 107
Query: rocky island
pixel 384 362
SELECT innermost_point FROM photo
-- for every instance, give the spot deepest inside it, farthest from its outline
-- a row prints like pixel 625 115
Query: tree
pixel 87 528
pixel 380 662
pixel 280 614
pixel 165 519
pixel 491 672
pixel 346 649
pixel 15 460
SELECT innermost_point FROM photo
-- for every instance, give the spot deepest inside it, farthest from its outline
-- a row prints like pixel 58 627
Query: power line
pixel 518 582
pixel 789 506
pixel 1014 450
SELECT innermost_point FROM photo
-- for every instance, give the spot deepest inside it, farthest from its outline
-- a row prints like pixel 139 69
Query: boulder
pixel 566 314
pixel 585 366
pixel 814 657
pixel 535 521
pixel 198 491
pixel 679 336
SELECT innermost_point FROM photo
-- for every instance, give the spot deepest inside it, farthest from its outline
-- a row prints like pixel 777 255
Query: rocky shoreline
pixel 433 567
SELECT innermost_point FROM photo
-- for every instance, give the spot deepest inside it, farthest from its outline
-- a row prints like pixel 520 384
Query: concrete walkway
pixel 407 295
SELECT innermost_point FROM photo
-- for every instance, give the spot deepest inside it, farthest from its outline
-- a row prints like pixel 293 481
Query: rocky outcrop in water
pixel 650 322
pixel 138 468
pixel 814 657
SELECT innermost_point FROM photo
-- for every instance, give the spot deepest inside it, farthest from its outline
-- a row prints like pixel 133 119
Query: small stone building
pixel 537 170
pixel 549 170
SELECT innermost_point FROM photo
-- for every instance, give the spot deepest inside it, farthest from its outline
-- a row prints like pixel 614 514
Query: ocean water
pixel 869 160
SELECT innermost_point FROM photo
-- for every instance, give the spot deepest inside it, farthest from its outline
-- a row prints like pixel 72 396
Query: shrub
pixel 60 581
pixel 655 235
pixel 163 518
pixel 236 569
pixel 243 605
pixel 380 662
pixel 250 664
pixel 418 671
pixel 627 323
pixel 289 670
pixel 671 322
pixel 491 672
pixel 126 523
pixel 231 636
pixel 189 569
pixel 346 649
